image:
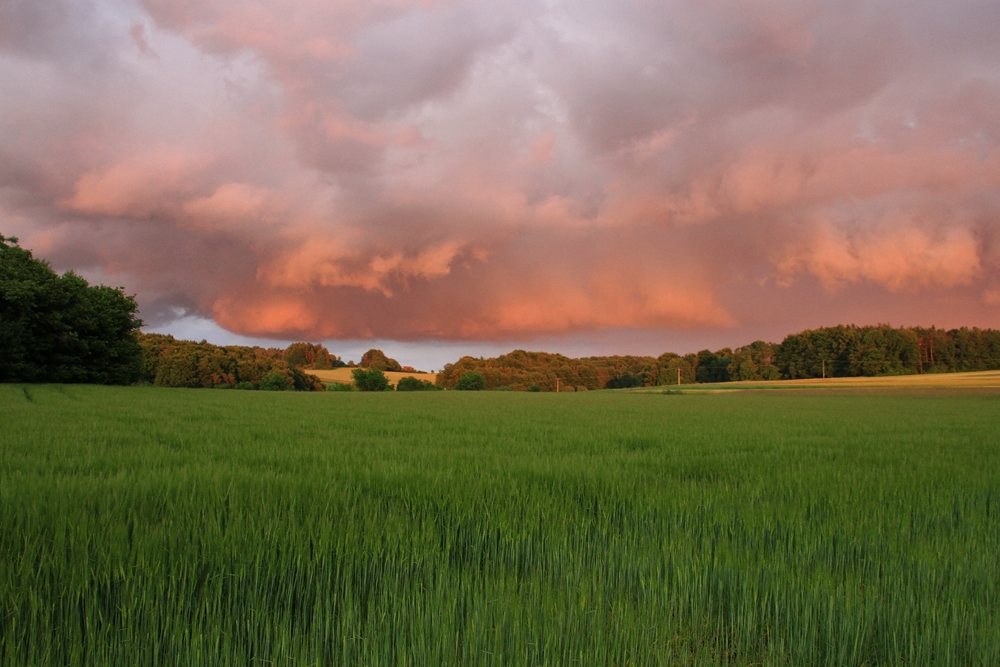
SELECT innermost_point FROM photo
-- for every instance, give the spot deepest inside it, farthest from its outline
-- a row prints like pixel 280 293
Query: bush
pixel 626 381
pixel 275 381
pixel 471 382
pixel 534 387
pixel 370 380
pixel 245 385
pixel 415 384
pixel 339 386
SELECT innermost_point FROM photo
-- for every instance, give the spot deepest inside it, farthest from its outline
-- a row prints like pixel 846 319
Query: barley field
pixel 146 526
pixel 343 375
pixel 974 380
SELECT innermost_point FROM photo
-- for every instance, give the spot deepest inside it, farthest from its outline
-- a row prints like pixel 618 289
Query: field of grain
pixel 975 380
pixel 146 526
pixel 343 376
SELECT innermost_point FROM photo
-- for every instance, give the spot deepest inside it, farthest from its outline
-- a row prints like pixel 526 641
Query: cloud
pixel 462 170
pixel 901 259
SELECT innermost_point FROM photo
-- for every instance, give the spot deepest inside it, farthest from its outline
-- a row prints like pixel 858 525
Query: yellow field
pixel 980 379
pixel 343 376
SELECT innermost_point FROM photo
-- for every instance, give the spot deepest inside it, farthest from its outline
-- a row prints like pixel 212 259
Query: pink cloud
pixel 900 259
pixel 138 187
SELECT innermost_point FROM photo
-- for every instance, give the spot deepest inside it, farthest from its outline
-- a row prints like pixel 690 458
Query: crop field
pixel 343 375
pixel 147 526
pixel 975 380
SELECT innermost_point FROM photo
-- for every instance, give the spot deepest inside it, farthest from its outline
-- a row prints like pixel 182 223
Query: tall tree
pixel 60 329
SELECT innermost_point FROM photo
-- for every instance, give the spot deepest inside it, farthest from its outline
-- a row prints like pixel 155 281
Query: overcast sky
pixel 461 176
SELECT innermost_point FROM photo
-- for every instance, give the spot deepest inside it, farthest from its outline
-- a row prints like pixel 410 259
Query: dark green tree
pixel 415 384
pixel 275 381
pixel 754 362
pixel 471 382
pixel 713 366
pixel 60 329
pixel 625 381
pixel 371 379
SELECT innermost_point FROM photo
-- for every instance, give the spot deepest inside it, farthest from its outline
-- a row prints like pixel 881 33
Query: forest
pixel 840 351
pixel 168 362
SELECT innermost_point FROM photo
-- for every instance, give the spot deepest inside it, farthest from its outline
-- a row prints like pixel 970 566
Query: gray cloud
pixel 461 171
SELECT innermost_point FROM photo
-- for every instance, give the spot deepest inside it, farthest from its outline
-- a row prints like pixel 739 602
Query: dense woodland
pixel 168 362
pixel 841 351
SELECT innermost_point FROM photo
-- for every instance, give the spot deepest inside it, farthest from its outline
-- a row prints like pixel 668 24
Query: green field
pixel 143 526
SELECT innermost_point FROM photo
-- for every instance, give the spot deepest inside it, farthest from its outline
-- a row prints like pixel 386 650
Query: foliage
pixel 60 329
pixel 275 381
pixel 237 528
pixel 339 386
pixel 713 366
pixel 370 379
pixel 169 362
pixel 851 351
pixel 676 369
pixel 415 384
pixel 471 382
pixel 377 360
pixel 842 351
pixel 626 381
pixel 754 362
pixel 309 355
pixel 519 370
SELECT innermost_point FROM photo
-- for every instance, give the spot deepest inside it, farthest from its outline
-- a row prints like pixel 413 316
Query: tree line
pixel 851 351
pixel 168 362
pixel 840 351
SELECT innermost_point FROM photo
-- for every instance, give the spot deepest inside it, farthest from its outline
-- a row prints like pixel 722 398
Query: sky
pixel 450 177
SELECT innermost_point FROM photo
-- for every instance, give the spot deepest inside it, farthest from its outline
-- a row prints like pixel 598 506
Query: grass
pixel 143 526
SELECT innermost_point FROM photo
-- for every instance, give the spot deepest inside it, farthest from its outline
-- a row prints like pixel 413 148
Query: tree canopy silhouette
pixel 60 329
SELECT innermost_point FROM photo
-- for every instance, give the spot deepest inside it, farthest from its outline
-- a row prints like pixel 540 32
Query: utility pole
pixel 557 385
pixel 824 369
pixel 678 375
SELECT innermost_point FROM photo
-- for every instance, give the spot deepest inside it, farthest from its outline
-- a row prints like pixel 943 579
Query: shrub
pixel 339 386
pixel 409 384
pixel 415 384
pixel 534 387
pixel 471 382
pixel 246 385
pixel 626 381
pixel 370 380
pixel 274 381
